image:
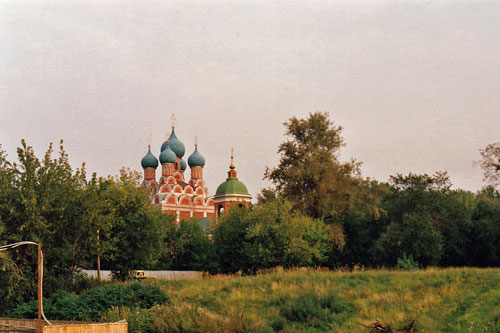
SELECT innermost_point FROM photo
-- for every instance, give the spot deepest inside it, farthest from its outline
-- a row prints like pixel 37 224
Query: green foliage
pixel 324 312
pixel 10 277
pixel 230 240
pixel 45 200
pixel 93 304
pixel 131 228
pixel 416 234
pixel 41 200
pixel 407 263
pixel 310 174
pixel 192 249
pixel 270 234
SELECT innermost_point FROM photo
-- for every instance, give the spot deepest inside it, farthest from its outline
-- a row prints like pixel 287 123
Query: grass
pixel 307 300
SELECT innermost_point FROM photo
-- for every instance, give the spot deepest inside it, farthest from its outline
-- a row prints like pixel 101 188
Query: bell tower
pixel 231 192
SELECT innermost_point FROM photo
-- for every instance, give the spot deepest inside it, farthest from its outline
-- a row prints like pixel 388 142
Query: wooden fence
pixel 118 327
pixel 11 325
pixel 17 325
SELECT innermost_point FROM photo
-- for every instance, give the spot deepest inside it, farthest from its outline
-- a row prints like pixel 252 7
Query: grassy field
pixel 304 300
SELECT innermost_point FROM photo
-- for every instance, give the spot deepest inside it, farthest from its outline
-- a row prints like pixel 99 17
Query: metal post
pixel 40 263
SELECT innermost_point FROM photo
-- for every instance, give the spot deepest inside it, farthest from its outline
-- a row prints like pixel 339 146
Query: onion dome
pixel 176 145
pixel 232 186
pixel 196 159
pixel 163 146
pixel 168 156
pixel 183 165
pixel 149 161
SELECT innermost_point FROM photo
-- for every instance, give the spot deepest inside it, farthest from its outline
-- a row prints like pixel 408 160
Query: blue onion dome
pixel 183 165
pixel 163 146
pixel 176 145
pixel 196 159
pixel 149 161
pixel 168 156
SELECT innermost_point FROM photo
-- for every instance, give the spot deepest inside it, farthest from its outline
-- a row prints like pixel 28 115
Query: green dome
pixel 183 165
pixel 163 147
pixel 168 156
pixel 196 159
pixel 149 161
pixel 176 145
pixel 232 186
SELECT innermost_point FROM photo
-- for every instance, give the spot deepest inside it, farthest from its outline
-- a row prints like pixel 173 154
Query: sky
pixel 414 84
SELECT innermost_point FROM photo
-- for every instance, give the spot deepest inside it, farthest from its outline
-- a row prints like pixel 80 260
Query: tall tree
pixel 132 230
pixel 310 174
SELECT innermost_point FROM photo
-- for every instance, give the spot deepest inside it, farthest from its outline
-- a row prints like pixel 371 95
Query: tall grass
pixel 308 300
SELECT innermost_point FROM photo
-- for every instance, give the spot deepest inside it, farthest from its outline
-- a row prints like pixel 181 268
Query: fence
pixel 160 275
pixel 11 325
pixel 118 327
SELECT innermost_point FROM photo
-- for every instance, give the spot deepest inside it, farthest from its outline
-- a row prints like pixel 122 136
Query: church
pixel 174 194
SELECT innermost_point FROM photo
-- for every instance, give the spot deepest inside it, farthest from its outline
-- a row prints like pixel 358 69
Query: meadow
pixel 308 300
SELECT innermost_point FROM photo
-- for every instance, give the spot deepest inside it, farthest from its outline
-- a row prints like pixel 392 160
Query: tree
pixel 41 200
pixel 490 163
pixel 192 249
pixel 10 277
pixel 485 234
pixel 416 235
pixel 230 241
pixel 269 235
pixel 132 229
pixel 310 174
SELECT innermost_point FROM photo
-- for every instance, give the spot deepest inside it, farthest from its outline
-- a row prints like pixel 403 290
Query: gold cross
pixel 196 140
pixel 173 120
pixel 149 141
pixel 232 158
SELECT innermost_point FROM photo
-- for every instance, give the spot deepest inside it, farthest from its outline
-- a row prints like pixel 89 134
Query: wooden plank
pixel 120 327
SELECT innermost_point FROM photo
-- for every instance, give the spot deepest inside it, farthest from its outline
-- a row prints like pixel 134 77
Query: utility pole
pixel 40 279
pixel 40 272
pixel 98 257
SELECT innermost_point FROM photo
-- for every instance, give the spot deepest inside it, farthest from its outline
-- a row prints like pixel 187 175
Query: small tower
pixel 168 160
pixel 176 146
pixel 231 192
pixel 149 163
pixel 196 162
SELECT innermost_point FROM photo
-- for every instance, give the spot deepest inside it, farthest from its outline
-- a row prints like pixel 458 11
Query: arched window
pixel 220 210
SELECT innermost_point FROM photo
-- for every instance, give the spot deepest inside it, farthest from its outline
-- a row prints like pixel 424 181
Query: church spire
pixel 232 171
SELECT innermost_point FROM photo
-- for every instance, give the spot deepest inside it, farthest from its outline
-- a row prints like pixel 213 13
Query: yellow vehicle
pixel 140 275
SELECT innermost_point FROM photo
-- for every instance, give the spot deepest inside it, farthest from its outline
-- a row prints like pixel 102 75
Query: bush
pixel 315 311
pixel 407 263
pixel 91 305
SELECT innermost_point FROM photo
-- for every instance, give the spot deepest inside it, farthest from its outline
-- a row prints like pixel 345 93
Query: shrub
pixel 316 311
pixel 407 263
pixel 91 305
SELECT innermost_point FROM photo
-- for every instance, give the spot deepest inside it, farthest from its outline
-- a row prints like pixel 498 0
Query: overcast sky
pixel 415 84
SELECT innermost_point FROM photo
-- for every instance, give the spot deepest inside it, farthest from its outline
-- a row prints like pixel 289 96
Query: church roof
pixel 176 145
pixel 232 186
pixel 149 161
pixel 196 159
pixel 168 156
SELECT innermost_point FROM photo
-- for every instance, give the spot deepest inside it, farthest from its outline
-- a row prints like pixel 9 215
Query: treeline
pixel 77 218
pixel 319 212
